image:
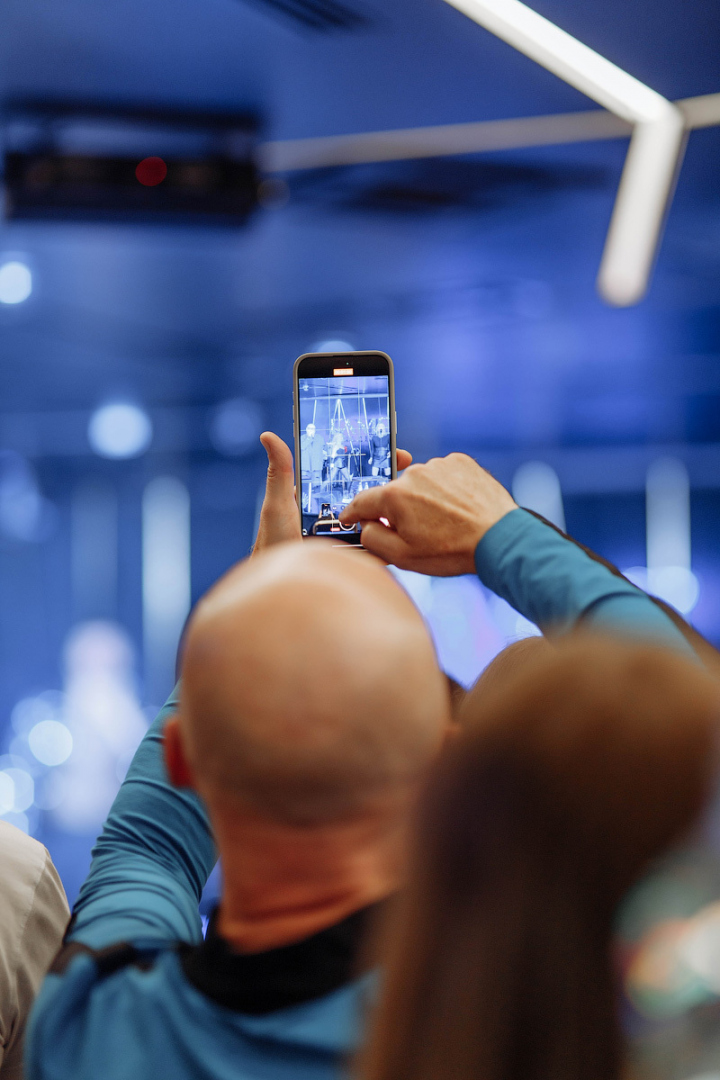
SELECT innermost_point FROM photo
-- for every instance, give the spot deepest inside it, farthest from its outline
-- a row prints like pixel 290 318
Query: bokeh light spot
pixel 235 426
pixel 119 431
pixel 7 793
pixel 23 788
pixel 32 710
pixel 151 171
pixel 15 282
pixel 50 742
pixel 332 345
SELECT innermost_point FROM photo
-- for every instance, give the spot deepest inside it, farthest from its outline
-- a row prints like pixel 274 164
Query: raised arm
pixel 554 583
pixel 152 859
pixel 451 517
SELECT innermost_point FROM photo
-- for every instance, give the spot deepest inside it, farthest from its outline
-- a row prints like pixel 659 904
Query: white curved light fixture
pixel 656 145
pixel 657 127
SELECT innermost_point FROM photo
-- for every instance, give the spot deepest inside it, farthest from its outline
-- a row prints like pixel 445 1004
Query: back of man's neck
pixel 278 889
pixel 272 930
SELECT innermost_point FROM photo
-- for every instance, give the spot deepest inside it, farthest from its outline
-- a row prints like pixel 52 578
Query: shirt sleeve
pixel 34 915
pixel 152 859
pixel 555 584
pixel 39 942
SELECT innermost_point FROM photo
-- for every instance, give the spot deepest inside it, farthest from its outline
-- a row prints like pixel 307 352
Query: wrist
pixel 487 521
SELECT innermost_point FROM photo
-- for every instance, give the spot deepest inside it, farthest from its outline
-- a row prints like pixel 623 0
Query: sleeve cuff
pixel 542 574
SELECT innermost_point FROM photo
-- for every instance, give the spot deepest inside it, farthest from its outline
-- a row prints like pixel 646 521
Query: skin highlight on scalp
pixel 310 687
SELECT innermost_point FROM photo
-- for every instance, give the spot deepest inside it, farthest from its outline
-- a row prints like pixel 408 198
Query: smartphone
pixel 345 428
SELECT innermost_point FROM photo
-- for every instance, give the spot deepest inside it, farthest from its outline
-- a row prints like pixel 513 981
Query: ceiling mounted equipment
pixel 321 15
pixel 68 160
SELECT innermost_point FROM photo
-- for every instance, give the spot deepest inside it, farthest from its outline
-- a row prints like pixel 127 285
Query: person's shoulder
pixel 97 965
pixel 81 977
pixel 90 1002
pixel 22 858
pixel 14 843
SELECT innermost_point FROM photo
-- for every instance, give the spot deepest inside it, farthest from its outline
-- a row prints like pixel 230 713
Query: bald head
pixel 310 686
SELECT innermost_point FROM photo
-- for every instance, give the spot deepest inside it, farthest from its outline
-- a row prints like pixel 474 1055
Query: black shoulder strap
pixel 107 961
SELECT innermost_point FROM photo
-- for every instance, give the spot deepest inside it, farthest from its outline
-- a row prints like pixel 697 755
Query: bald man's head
pixel 310 686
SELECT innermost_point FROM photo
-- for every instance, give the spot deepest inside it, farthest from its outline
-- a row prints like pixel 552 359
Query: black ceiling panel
pixel 322 15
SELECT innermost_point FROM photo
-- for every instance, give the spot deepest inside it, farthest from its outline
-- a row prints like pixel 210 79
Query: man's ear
pixel 176 763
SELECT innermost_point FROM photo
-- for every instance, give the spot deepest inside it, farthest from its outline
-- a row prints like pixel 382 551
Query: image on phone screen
pixel 345 444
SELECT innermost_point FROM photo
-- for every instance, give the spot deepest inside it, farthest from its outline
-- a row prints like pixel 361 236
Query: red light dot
pixel 151 171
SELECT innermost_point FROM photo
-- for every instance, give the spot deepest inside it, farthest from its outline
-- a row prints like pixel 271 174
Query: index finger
pixel 369 505
pixel 385 543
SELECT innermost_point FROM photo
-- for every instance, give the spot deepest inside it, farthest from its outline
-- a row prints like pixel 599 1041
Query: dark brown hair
pixel 566 782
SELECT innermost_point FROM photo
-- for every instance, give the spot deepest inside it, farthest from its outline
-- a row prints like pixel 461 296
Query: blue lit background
pixel 475 274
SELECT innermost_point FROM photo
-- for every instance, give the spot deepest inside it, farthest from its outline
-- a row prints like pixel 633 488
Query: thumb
pixel 279 517
pixel 280 475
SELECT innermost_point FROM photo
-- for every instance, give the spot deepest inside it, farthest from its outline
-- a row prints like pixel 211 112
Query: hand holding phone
pixel 279 521
pixel 344 436
pixel 433 518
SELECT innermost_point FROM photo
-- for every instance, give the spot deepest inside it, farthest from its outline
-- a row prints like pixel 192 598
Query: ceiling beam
pixel 479 137
pixel 441 141
pixel 657 129
pixel 656 144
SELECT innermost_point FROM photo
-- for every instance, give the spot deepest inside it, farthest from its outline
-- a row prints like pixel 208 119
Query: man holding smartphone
pixel 307 749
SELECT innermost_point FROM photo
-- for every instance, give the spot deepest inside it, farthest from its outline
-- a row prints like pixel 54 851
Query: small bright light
pixel 638 576
pixel 120 431
pixel 536 487
pixel 332 345
pixel 32 710
pixel 20 821
pixel 676 585
pixel 15 282
pixel 236 426
pixel 23 789
pixel 50 742
pixel 701 946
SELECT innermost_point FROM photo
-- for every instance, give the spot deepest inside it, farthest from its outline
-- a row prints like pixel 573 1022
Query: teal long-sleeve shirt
pixel 143 1019
pixel 555 584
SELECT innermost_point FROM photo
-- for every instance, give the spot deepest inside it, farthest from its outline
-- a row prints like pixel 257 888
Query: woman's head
pixel 566 781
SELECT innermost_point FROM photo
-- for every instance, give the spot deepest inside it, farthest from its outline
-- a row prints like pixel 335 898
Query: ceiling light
pixel 566 57
pixel 655 149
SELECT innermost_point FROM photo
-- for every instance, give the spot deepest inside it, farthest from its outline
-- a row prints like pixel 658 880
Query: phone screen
pixel 345 443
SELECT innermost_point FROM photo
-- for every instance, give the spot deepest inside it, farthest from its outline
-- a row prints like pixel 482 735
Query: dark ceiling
pixel 483 268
